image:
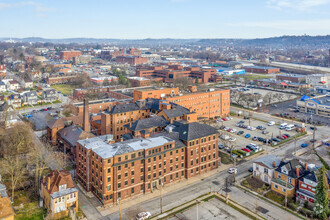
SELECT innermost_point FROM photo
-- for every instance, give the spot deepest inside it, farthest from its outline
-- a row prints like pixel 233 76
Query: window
pixel 109 187
pixel 119 177
pixel 126 165
pixel 265 170
pixel 275 186
pixel 109 170
pixel 109 179
pixel 132 181
pixel 126 174
pixel 132 190
pixel 191 152
pixel 119 167
pixel 119 185
pixel 126 182
pixel 119 159
pixel 119 195
pixel 126 157
pixel 284 190
pixel 132 164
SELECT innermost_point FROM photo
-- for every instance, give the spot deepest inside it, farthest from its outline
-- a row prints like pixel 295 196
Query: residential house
pixel 28 83
pixel 30 98
pixel 59 193
pixel 13 85
pixel 3 87
pixel 49 95
pixel 307 185
pixel 6 209
pixel 15 100
pixel 286 177
pixel 2 99
pixel 8 115
pixel 264 167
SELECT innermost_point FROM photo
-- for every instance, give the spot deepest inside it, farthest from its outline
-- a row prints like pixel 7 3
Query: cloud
pixel 37 7
pixel 293 25
pixel 299 5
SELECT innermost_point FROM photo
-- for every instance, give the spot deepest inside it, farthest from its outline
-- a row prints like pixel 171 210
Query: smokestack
pixel 86 126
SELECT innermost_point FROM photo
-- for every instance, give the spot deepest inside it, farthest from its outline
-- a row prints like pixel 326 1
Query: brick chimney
pixel 306 166
pixel 86 125
pixel 48 183
pixel 274 164
pixel 297 170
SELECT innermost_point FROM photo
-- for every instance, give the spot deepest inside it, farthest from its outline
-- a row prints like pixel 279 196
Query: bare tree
pixel 268 98
pixel 182 82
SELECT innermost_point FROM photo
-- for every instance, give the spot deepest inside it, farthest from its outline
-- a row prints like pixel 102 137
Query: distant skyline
pixel 131 19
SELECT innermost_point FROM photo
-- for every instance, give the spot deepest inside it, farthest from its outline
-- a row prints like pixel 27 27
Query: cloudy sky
pixel 132 19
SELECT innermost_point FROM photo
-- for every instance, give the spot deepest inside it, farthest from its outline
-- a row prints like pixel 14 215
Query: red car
pixel 45 109
pixel 229 129
pixel 224 119
pixel 245 149
pixel 285 137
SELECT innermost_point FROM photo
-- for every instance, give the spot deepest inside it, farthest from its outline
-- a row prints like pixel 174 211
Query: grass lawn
pixel 65 89
pixel 255 184
pixel 275 197
pixel 30 209
pixel 225 159
pixel 255 76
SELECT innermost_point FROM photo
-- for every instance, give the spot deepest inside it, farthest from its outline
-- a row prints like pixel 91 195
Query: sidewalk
pixel 109 209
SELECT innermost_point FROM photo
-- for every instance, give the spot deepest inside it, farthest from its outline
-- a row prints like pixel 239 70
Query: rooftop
pixel 106 150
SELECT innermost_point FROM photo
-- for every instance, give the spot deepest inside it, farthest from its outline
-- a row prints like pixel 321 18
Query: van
pixel 271 123
pixel 283 126
pixel 289 127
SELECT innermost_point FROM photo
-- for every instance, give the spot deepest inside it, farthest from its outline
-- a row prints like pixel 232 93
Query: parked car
pixel 287 135
pixel 265 132
pixel 232 170
pixel 240 132
pixel 143 216
pixel 313 140
pixel 241 122
pixel 247 136
pixel 304 145
pixel 271 123
pixel 314 128
pixel 261 127
pixel 232 139
pixel 250 169
pixel 284 136
pixel 255 138
pixel 246 149
pixel 252 128
pixel 221 146
pixel 246 117
pixel 276 139
pixel 233 130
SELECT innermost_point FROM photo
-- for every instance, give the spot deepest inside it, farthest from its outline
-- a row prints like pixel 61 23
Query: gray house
pixel 49 95
pixel 30 98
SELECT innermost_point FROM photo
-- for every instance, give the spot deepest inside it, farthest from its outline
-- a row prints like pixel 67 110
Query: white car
pixel 229 118
pixel 271 123
pixel 233 130
pixel 252 128
pixel 232 170
pixel 143 216
pixel 232 139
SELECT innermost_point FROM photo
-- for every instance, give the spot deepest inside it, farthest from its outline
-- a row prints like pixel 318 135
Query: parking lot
pixel 212 209
pixel 242 140
pixel 40 118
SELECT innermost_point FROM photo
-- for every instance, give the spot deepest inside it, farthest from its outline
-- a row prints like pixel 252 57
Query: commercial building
pixel 113 171
pixel 132 60
pixel 100 80
pixel 139 81
pixel 319 105
pixel 320 80
pixel 69 55
pixel 261 69
pixel 207 104
pixel 170 71
pixel 82 92
pixel 60 79
pixel 59 194
pixel 292 78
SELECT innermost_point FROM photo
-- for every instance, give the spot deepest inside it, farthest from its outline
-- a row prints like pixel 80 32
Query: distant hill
pixel 275 42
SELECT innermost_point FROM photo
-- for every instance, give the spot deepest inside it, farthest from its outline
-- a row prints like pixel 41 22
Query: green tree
pixel 106 82
pixel 22 57
pixel 321 205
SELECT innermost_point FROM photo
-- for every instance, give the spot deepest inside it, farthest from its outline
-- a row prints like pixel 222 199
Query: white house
pixel 264 167
pixel 3 87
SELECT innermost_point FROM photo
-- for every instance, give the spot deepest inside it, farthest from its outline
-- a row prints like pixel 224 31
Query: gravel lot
pixel 213 209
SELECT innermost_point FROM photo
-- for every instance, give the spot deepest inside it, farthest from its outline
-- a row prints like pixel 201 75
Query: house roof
pixel 267 161
pixel 157 121
pixel 73 133
pixel 291 167
pixel 125 108
pixel 194 130
pixel 176 111
pixel 58 178
pixel 13 82
pixel 6 208
pixel 55 123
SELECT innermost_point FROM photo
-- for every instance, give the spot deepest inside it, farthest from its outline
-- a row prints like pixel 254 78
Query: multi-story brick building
pixel 82 92
pixel 292 77
pixel 172 71
pixel 132 60
pixel 68 55
pixel 262 69
pixel 139 81
pixel 211 103
pixel 121 170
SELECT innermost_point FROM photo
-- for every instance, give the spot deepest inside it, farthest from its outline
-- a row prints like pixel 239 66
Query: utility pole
pixel 227 195
pixel 295 145
pixel 197 208
pixel 161 197
pixel 235 168
pixel 119 209
pixel 286 193
pixel 271 143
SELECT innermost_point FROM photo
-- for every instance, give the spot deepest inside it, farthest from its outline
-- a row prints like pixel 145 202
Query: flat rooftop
pixel 102 148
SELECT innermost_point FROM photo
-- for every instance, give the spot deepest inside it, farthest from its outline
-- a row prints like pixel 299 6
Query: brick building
pixel 292 78
pixel 138 166
pixel 132 60
pixel 139 81
pixel 209 104
pixel 69 55
pixel 261 69
pixel 173 71
pixel 81 93
pixel 52 80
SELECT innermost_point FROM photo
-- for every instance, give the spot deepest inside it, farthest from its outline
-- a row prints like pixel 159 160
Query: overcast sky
pixel 132 19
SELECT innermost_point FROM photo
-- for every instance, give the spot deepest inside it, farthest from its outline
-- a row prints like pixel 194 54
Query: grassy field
pixel 30 209
pixel 255 76
pixel 65 89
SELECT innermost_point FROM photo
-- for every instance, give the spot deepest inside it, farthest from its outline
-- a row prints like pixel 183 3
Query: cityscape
pixel 114 110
